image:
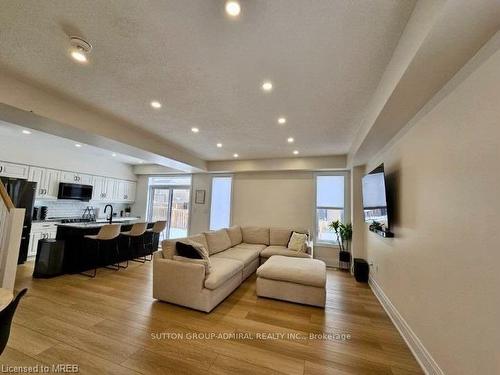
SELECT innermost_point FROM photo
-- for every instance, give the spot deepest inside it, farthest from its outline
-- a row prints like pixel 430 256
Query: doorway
pixel 170 203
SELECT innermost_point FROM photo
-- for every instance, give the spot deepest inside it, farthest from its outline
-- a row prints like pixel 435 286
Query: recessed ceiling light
pixel 219 145
pixel 282 120
pixel 79 56
pixel 113 154
pixel 267 86
pixel 80 48
pixel 233 8
pixel 78 145
pixel 235 155
pixel 295 152
pixel 195 130
pixel 290 140
pixel 155 104
pixel 140 162
pixel 26 131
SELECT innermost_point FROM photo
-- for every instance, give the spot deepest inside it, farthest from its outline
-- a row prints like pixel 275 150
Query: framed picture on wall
pixel 199 197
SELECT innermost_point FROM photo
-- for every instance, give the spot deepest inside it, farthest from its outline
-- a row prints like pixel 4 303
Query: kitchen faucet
pixel 111 215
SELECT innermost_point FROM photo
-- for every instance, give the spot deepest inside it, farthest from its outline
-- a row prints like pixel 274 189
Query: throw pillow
pixel 201 249
pixel 186 250
pixel 297 241
pixel 202 256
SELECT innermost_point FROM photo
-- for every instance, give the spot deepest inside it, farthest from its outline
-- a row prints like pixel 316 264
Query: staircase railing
pixel 11 229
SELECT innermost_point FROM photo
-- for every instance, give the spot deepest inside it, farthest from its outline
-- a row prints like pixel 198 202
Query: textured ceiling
pixel 325 58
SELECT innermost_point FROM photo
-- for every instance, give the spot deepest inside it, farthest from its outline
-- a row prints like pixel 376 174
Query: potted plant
pixel 343 232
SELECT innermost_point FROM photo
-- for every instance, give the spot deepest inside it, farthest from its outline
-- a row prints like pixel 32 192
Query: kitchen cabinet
pixel 76 178
pixel 13 170
pixel 125 191
pixel 103 189
pixel 51 183
pixel 40 231
pixel 131 189
pixel 86 179
pixel 47 181
pixel 33 245
pixel 36 174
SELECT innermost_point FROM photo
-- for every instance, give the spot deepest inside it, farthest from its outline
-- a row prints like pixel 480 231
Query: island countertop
pixel 98 224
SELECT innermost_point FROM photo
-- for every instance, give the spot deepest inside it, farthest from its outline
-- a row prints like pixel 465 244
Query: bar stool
pixel 107 232
pixel 136 233
pixel 155 232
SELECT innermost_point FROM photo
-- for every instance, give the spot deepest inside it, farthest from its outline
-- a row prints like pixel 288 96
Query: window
pixel 220 209
pixel 330 204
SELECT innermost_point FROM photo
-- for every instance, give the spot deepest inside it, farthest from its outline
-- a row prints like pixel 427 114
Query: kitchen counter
pixel 115 220
pixel 100 223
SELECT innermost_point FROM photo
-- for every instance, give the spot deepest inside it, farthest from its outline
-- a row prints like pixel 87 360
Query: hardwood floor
pixel 111 324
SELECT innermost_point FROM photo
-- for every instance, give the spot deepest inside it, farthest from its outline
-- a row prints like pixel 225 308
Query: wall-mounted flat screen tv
pixel 375 198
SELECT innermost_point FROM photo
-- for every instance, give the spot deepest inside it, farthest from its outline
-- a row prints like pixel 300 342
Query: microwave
pixel 74 191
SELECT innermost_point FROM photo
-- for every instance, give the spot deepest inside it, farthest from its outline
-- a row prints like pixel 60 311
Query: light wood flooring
pixel 105 325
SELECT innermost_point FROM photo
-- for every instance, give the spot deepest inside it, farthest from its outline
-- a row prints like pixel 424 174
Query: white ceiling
pixel 58 145
pixel 325 58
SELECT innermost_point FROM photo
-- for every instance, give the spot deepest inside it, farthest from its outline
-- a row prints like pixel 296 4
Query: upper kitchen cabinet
pixel 76 178
pixel 103 189
pixel 47 181
pixel 13 170
pixel 125 191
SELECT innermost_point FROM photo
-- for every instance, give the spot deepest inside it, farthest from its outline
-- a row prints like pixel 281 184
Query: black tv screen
pixel 375 197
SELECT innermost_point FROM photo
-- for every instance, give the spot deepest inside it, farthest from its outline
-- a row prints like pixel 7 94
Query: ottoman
pixel 297 280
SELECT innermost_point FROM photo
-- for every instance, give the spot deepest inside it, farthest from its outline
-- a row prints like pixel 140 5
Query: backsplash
pixel 74 209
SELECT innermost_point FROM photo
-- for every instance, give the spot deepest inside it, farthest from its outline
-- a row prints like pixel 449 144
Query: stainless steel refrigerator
pixel 22 194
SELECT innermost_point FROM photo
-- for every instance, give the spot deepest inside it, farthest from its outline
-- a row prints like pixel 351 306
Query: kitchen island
pixel 81 255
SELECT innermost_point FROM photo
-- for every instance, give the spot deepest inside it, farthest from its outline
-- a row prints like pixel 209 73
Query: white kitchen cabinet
pixel 125 191
pixel 116 190
pixel 103 189
pixel 51 183
pixel 69 177
pixel 47 181
pixel 109 186
pixel 86 179
pixel 40 231
pixel 13 170
pixel 33 245
pixel 37 174
pixel 77 178
pixel 131 189
pixel 98 191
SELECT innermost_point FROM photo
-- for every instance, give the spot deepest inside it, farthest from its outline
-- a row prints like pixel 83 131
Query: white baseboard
pixel 423 357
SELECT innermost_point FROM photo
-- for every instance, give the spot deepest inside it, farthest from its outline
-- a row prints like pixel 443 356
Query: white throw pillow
pixel 297 241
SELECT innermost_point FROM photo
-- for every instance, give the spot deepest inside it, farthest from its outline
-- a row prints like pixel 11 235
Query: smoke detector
pixel 80 48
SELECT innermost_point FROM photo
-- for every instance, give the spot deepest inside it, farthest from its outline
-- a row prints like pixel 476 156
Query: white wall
pixel 200 213
pixel 283 199
pixel 441 269
pixel 140 207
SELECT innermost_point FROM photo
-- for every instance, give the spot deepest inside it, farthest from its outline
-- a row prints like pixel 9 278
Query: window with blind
pixel 330 205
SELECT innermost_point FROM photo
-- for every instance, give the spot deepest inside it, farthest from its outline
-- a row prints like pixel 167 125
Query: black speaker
pixel 361 270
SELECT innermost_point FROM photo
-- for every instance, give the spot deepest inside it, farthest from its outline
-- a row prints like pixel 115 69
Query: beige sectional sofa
pixel 235 254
